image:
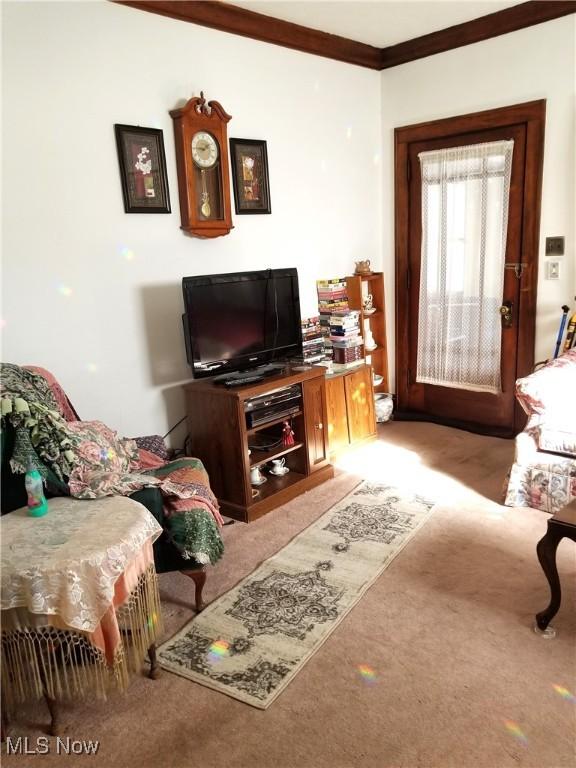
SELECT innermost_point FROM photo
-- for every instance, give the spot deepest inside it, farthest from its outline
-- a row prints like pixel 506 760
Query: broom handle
pixel 571 334
pixel 565 311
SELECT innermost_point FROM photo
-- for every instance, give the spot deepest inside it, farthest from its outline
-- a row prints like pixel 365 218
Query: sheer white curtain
pixel 465 192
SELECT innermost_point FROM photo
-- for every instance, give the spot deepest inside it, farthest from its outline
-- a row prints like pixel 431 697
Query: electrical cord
pixel 187 441
pixel 261 445
pixel 174 427
pixel 184 451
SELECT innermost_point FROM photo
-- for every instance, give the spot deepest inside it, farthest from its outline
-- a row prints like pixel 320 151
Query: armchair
pixel 167 557
pixel 543 475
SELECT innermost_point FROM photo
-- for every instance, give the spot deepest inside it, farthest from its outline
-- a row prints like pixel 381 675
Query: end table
pixel 79 599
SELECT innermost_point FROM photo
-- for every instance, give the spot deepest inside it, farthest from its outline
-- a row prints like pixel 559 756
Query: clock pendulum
pixel 205 207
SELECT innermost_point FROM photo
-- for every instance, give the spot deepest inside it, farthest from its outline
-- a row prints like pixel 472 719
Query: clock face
pixel 204 149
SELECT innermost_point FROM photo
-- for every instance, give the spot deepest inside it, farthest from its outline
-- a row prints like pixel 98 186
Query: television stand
pixel 230 449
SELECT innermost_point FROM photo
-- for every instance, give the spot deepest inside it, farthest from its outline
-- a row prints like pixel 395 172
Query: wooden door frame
pixel 532 114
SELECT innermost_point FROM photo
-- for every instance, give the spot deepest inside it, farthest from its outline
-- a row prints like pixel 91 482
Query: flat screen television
pixel 240 320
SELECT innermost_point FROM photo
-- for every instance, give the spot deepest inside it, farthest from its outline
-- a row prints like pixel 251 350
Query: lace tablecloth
pixel 67 562
pixel 79 595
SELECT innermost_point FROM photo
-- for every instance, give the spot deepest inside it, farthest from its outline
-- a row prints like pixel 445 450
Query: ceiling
pixel 377 22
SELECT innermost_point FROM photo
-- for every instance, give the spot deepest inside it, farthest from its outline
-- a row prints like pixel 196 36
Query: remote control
pixel 240 382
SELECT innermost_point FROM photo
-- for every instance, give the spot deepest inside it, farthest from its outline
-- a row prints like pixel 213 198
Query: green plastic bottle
pixel 37 504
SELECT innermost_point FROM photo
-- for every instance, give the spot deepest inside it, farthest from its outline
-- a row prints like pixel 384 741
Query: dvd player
pixel 257 418
pixel 279 403
pixel 282 395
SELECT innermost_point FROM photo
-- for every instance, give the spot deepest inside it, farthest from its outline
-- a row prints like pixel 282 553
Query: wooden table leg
pixel 54 728
pixel 546 550
pixel 4 721
pixel 154 672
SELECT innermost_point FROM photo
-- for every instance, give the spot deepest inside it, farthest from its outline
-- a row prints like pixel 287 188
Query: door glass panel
pixel 465 193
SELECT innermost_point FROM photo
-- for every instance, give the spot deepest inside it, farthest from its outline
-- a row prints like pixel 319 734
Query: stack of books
pixel 312 341
pixel 347 343
pixel 332 297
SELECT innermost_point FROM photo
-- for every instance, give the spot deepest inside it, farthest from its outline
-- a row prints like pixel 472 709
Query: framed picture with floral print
pixel 142 169
pixel 249 160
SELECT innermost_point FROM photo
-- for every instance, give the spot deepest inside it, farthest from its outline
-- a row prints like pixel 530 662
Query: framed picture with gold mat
pixel 142 169
pixel 250 182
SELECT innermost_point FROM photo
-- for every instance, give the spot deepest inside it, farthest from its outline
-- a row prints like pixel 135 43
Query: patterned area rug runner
pixel 251 642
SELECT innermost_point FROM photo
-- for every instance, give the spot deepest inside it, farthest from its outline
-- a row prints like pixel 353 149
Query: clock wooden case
pixel 200 133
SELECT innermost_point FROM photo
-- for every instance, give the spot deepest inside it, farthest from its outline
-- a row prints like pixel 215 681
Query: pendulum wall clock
pixel 200 135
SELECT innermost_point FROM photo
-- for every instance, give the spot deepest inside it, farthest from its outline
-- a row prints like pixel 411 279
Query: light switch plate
pixel 554 246
pixel 552 270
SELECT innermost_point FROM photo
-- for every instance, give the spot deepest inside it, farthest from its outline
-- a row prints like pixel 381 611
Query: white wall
pixel 535 63
pixel 108 326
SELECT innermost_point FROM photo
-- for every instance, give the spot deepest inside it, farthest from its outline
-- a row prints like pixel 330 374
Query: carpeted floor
pixel 437 666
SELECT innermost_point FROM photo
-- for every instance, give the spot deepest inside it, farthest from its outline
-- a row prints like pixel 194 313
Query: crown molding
pixel 485 27
pixel 240 21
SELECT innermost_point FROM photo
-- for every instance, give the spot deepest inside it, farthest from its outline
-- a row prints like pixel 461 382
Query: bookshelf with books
pixel 372 322
pixel 349 390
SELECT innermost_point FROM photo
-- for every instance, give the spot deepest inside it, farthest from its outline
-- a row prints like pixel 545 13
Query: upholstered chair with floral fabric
pixel 543 475
pixel 167 556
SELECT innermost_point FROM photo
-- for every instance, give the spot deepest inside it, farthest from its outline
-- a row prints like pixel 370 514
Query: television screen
pixel 240 320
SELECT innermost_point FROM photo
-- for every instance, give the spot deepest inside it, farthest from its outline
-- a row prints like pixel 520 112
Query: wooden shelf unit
pixel 358 287
pixel 220 438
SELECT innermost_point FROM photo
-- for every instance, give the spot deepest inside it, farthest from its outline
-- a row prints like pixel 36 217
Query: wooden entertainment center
pixel 230 449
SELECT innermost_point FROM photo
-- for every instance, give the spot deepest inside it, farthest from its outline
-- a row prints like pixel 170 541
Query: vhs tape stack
pixel 332 297
pixel 312 342
pixel 347 342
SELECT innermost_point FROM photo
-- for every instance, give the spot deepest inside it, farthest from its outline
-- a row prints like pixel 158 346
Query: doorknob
pixel 506 314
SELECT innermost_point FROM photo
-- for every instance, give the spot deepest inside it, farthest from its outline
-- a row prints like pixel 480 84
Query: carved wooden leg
pixel 199 578
pixel 154 673
pixel 546 550
pixel 54 728
pixel 5 721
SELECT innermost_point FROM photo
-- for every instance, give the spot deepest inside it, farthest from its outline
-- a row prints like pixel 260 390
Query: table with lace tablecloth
pixel 79 598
